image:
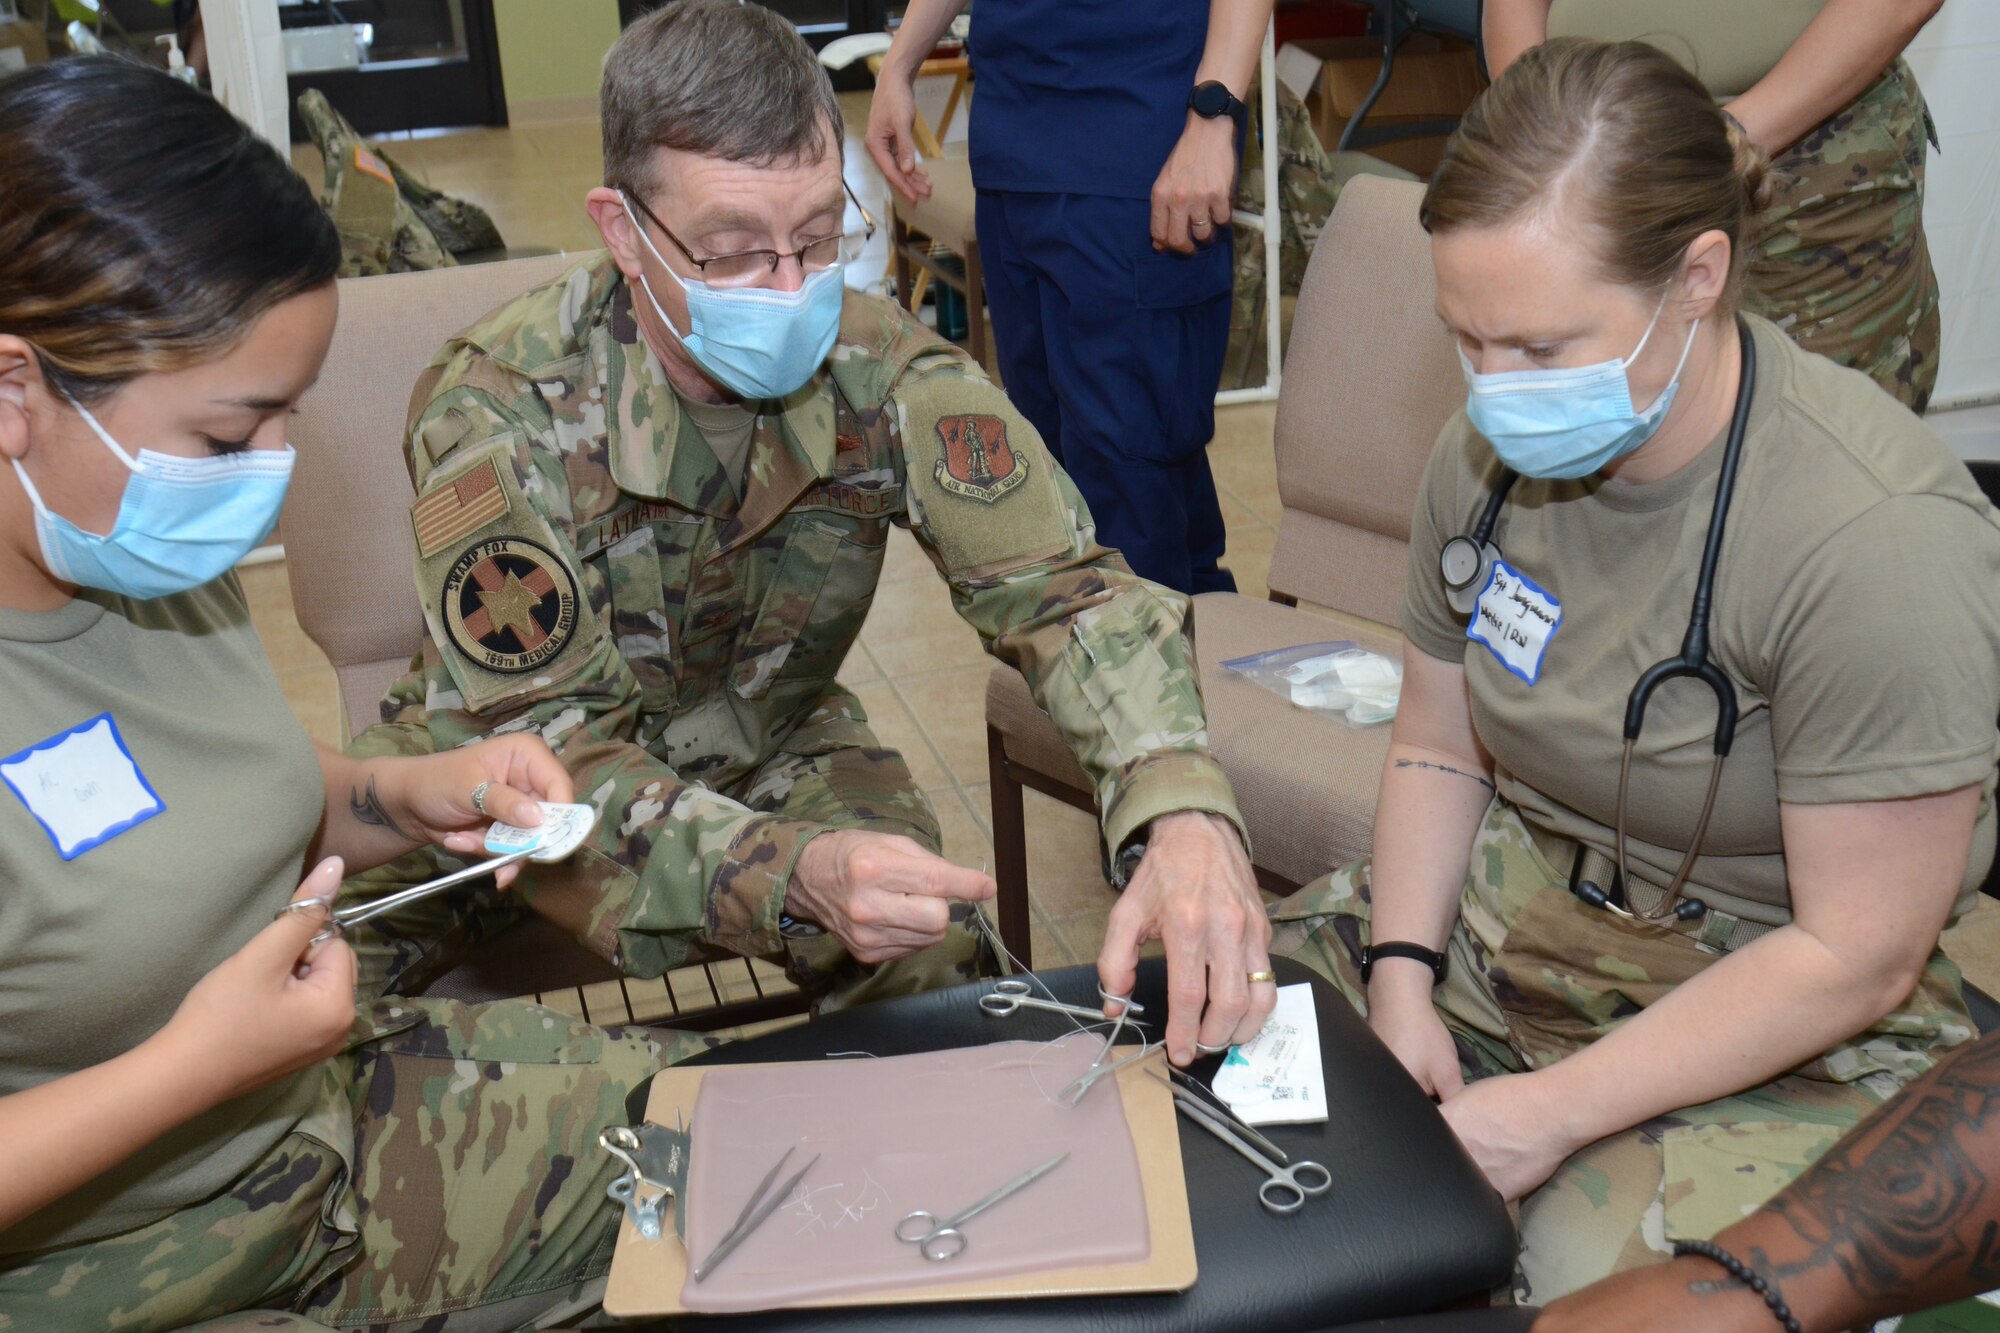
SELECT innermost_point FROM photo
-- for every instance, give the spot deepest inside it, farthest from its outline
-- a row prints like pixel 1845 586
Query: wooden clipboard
pixel 647 1275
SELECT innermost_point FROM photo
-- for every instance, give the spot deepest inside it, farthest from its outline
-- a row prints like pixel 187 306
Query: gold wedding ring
pixel 1256 977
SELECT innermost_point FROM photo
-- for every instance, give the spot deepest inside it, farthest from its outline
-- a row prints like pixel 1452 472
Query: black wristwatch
pixel 1126 863
pixel 1212 99
pixel 792 928
pixel 1430 958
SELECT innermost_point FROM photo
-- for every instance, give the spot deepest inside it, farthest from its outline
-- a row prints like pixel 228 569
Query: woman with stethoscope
pixel 1682 599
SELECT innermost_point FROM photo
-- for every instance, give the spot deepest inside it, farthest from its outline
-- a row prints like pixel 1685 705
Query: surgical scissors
pixel 942 1234
pixel 1013 994
pixel 1287 1184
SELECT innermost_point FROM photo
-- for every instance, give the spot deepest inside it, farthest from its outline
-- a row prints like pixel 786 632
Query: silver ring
pixel 1206 1049
pixel 1201 226
pixel 479 798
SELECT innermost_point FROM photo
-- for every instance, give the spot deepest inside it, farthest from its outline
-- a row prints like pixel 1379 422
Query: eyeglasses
pixel 745 267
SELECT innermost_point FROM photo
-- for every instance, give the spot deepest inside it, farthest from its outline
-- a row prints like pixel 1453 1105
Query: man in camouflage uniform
pixel 1838 259
pixel 1516 1000
pixel 663 576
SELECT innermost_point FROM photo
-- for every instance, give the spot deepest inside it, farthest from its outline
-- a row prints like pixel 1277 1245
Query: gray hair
pixel 717 78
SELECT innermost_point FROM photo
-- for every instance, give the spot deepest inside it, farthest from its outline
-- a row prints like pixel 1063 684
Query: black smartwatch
pixel 1430 958
pixel 1212 99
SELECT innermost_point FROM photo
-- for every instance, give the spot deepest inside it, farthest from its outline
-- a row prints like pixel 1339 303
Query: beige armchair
pixel 346 527
pixel 1369 380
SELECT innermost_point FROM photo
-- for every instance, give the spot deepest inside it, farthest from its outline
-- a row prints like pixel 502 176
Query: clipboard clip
pixel 656 1164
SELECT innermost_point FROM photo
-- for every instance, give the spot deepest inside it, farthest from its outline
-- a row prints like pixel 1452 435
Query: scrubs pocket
pixel 1170 281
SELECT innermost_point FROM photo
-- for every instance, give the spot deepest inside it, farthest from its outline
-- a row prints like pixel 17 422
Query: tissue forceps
pixel 762 1204
pixel 941 1240
pixel 1287 1184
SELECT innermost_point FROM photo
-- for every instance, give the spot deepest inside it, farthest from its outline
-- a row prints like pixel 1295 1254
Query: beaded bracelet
pixel 1742 1273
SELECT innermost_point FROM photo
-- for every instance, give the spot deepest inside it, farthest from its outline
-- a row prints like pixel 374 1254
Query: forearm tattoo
pixel 1906 1207
pixel 366 807
pixel 1444 768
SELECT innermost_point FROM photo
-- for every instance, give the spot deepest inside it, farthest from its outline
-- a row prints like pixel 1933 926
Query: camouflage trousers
pixel 830 770
pixel 1536 974
pixel 450 1179
pixel 1839 260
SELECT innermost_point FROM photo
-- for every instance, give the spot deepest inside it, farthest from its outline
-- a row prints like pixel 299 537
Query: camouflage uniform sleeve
pixel 520 638
pixel 1108 656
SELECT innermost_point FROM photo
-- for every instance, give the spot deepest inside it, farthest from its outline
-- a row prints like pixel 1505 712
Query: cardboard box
pixel 21 45
pixel 1435 78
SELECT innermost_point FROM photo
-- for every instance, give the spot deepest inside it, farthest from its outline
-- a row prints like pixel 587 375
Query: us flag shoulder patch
pixel 458 508
pixel 373 165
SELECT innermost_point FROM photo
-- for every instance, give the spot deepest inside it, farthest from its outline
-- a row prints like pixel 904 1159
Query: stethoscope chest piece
pixel 1466 565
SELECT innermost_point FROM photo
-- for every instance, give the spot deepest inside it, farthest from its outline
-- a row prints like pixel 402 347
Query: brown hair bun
pixel 1753 165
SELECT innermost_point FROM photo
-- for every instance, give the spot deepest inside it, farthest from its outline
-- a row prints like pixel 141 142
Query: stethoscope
pixel 1467 565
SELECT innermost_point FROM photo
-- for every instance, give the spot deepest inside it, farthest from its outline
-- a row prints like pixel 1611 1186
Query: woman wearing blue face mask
pixel 1695 757
pixel 189 1111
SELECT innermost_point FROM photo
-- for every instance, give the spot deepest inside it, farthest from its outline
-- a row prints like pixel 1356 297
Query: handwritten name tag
pixel 1515 620
pixel 82 786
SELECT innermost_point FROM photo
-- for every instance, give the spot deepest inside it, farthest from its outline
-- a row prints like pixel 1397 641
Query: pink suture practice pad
pixel 936 1132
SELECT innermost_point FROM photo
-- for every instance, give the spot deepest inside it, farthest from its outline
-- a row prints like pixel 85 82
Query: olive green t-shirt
pixel 1857 613
pixel 727 428
pixel 1727 44
pixel 98 950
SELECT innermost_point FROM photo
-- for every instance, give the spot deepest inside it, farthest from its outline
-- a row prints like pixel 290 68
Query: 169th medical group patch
pixel 509 604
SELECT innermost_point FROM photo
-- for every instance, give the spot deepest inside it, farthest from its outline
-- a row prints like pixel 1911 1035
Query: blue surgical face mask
pixel 755 342
pixel 182 522
pixel 1567 422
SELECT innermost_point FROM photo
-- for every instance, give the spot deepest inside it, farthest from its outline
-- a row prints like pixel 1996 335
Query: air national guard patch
pixel 978 462
pixel 509 605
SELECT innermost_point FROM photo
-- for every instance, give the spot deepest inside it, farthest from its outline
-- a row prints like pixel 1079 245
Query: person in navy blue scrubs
pixel 1104 147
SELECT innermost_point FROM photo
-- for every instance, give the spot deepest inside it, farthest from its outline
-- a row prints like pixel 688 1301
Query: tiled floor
pixel 917 669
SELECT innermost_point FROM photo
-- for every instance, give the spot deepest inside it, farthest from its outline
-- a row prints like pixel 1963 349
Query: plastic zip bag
pixel 1339 679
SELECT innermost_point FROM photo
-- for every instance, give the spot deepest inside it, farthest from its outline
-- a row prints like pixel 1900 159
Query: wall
pixel 552 54
pixel 1957 60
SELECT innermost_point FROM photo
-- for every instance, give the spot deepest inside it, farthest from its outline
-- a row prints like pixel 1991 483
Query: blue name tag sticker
pixel 1515 619
pixel 82 786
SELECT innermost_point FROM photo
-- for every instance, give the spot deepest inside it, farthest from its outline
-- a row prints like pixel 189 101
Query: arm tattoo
pixel 1444 768
pixel 366 807
pixel 1907 1204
